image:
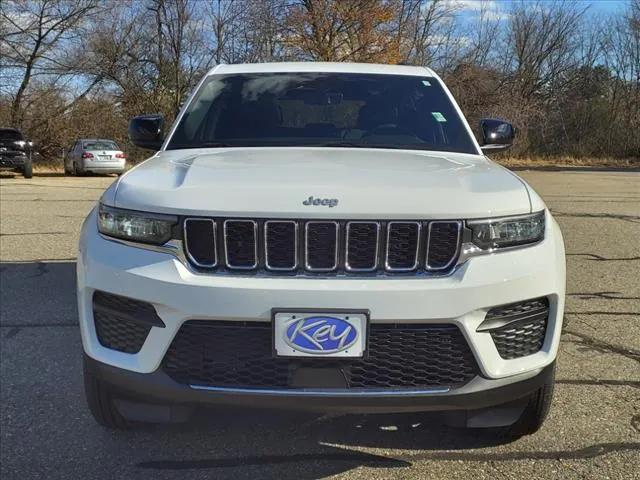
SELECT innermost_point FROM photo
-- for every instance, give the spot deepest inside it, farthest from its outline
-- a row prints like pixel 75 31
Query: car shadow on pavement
pixel 38 310
pixel 301 445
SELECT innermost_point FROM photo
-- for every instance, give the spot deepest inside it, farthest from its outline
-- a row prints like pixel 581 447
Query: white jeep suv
pixel 326 237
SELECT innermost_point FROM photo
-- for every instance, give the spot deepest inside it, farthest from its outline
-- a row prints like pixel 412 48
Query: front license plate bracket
pixel 320 333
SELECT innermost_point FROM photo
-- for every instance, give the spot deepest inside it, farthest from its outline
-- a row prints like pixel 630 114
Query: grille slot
pixel 403 240
pixel 281 245
pixel 356 247
pixel 241 245
pixel 518 329
pixel 321 246
pixel 239 354
pixel 442 244
pixel 363 240
pixel 122 323
pixel 200 241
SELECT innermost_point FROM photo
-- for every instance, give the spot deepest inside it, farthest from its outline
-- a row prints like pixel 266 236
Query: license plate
pixel 104 158
pixel 319 333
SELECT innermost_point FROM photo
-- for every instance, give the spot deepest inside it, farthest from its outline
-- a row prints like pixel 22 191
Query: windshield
pixel 322 109
pixel 100 146
pixel 10 134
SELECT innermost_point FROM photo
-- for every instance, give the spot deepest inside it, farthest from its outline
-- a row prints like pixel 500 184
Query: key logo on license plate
pixel 320 334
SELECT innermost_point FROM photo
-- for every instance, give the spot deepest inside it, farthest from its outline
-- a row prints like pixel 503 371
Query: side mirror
pixel 496 135
pixel 146 131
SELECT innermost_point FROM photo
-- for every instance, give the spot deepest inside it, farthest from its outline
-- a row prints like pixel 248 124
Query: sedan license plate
pixel 319 333
pixel 104 158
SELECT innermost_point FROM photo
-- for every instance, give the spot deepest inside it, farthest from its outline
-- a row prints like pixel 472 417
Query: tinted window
pixel 10 134
pixel 100 146
pixel 322 109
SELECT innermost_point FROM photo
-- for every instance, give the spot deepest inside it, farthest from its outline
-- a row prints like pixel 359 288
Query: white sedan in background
pixel 92 155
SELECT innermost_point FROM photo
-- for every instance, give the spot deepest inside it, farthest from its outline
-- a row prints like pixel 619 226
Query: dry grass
pixel 55 166
pixel 50 166
pixel 565 161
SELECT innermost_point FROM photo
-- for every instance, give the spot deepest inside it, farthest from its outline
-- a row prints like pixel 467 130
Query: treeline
pixel 567 78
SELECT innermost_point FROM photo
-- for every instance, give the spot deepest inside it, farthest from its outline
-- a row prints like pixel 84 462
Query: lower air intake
pixel 518 329
pixel 239 355
pixel 122 323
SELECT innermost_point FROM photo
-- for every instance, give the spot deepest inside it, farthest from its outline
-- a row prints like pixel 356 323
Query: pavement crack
pixel 600 258
pixel 42 269
pixel 32 233
pixel 602 295
pixel 635 423
pixel 601 382
pixel 57 187
pixel 12 333
pixel 628 218
pixel 605 347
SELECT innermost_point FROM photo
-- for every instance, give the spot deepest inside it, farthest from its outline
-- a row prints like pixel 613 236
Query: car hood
pixel 367 184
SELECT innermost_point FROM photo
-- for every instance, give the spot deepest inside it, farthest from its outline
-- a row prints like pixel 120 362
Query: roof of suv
pixel 338 67
pixel 95 140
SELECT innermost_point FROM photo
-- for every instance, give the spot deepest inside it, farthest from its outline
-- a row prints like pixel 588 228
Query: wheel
pixel 74 170
pixel 535 412
pixel 27 170
pixel 101 403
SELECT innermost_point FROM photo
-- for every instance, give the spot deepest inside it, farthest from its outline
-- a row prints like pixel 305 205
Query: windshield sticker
pixel 426 83
pixel 438 116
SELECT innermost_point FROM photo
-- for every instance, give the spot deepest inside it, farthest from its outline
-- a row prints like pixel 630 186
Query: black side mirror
pixel 146 131
pixel 496 135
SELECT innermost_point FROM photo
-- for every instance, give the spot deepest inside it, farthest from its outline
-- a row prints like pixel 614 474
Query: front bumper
pixel 159 389
pixel 100 166
pixel 463 298
pixel 12 160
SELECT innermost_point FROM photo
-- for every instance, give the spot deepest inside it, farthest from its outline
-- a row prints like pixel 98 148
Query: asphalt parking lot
pixel 46 432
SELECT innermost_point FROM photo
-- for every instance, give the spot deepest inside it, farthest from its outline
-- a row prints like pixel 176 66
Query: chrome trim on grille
pixel 318 392
pixel 453 257
pixel 387 267
pixel 295 246
pixel 306 246
pixel 346 257
pixel 186 242
pixel 255 244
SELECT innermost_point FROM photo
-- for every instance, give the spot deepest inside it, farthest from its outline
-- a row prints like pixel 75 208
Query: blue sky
pixel 596 7
pixel 607 5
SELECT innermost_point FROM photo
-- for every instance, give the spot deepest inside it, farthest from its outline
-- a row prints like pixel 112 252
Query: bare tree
pixel 541 43
pixel 33 39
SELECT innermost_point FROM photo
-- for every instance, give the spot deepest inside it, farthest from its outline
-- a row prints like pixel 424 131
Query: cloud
pixel 490 9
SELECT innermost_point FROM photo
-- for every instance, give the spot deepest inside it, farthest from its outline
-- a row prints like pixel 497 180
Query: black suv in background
pixel 15 152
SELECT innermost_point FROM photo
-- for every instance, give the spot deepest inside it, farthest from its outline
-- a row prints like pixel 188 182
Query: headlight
pixel 508 231
pixel 135 226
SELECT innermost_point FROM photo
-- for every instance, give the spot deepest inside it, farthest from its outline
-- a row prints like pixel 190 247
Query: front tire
pixel 535 412
pixel 101 402
pixel 27 170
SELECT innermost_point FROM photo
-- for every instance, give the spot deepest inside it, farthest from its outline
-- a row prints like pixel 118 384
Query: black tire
pixel 27 170
pixel 535 412
pixel 101 402
pixel 78 172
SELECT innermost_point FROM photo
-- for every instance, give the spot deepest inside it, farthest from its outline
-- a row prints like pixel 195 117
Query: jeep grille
pixel 322 246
